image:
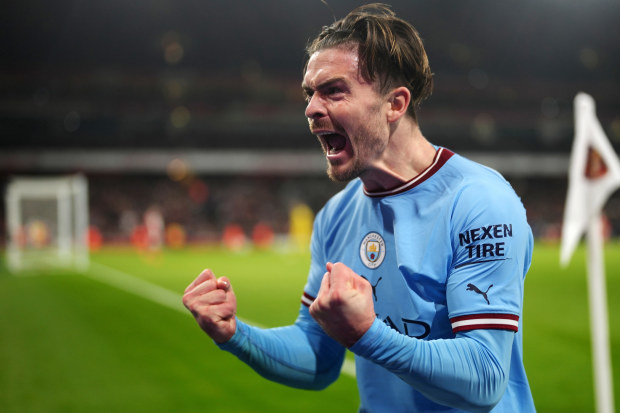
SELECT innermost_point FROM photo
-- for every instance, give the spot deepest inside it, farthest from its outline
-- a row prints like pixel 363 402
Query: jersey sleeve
pixel 492 245
pixel 300 355
pixel 468 372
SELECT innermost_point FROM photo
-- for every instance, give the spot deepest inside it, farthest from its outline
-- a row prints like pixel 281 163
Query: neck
pixel 407 154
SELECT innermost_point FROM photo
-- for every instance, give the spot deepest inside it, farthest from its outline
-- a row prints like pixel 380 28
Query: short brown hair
pixel 388 47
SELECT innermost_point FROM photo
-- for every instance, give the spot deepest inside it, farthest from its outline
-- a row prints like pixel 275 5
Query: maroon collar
pixel 441 157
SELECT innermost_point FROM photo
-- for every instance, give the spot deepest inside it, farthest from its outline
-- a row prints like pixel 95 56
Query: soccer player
pixel 418 265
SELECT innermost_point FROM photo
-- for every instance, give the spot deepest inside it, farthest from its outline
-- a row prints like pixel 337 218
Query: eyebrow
pixel 323 85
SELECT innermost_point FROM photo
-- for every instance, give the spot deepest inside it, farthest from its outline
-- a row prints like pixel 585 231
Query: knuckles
pixel 200 303
pixel 188 301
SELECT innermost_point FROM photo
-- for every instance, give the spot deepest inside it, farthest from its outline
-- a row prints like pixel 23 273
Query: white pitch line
pixel 348 367
pixel 137 286
pixel 162 296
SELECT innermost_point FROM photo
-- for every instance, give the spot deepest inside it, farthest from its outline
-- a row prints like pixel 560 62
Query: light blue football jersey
pixel 445 253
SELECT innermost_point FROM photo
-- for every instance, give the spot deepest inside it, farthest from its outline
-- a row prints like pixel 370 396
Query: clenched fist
pixel 344 306
pixel 213 303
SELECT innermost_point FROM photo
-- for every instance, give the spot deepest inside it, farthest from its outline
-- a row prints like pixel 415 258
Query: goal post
pixel 47 222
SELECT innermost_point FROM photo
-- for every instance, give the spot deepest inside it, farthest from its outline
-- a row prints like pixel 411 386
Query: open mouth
pixel 335 143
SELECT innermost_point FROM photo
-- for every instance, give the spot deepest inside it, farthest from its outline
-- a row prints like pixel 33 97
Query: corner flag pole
pixel 594 175
pixel 599 324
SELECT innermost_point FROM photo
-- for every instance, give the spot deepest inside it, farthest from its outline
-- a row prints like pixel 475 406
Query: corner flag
pixel 594 175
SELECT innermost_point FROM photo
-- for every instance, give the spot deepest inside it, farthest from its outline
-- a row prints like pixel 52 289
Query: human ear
pixel 399 100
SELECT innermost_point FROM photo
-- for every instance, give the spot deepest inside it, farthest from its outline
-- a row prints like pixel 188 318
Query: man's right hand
pixel 213 303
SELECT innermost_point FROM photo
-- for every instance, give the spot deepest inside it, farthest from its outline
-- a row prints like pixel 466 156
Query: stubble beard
pixel 367 147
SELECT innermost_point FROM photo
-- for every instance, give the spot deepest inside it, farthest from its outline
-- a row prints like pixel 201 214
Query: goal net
pixel 47 222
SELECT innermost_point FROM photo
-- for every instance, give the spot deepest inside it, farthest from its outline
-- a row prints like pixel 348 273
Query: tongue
pixel 336 142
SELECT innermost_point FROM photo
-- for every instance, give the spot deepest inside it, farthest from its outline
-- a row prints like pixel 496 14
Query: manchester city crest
pixel 372 250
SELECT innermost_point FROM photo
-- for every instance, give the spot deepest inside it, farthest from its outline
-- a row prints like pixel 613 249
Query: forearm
pixel 296 355
pixel 461 372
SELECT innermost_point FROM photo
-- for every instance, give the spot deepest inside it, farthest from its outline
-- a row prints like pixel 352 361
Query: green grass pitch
pixel 71 343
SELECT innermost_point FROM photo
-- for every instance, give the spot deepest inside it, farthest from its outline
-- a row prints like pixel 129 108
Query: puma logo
pixel 471 287
pixel 374 288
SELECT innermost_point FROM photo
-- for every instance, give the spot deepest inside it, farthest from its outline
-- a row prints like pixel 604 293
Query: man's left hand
pixel 344 306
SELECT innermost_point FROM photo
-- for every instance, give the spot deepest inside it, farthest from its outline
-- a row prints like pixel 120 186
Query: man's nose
pixel 315 109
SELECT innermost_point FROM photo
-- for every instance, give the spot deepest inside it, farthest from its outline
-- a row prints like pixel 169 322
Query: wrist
pixel 224 336
pixel 369 340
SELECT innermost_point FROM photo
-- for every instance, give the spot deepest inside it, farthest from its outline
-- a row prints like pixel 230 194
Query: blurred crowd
pixel 205 208
pixel 156 211
pixel 233 210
